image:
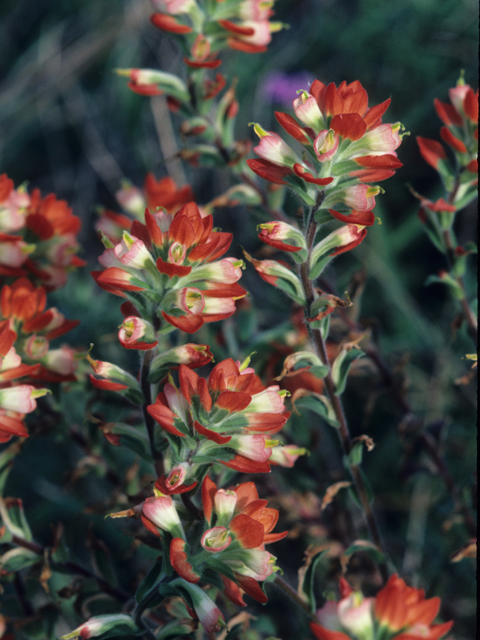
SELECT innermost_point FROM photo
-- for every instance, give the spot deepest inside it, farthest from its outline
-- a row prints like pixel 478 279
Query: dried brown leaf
pixel 332 491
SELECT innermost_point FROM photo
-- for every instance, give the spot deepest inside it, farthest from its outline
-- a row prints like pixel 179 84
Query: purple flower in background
pixel 282 87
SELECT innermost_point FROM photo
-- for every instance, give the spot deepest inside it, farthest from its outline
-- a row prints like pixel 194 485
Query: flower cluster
pixel 238 525
pixel 22 306
pixel 397 612
pixel 38 236
pixel 460 130
pixel 460 133
pixel 169 269
pixel 228 418
pixel 209 27
pixel 16 399
pixel 346 147
pixel 162 193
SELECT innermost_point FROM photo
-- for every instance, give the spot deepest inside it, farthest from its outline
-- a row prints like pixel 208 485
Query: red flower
pixel 345 139
pixel 231 414
pixel 398 612
pixel 176 256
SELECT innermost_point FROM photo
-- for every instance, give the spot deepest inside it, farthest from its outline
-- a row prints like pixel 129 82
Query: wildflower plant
pixel 193 414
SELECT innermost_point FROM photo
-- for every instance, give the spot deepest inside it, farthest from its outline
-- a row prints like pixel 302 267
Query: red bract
pixel 242 25
pixel 22 305
pixel 175 258
pixel 345 139
pixel 460 131
pixel 16 399
pixel 51 229
pixel 230 416
pixel 398 612
pixel 162 193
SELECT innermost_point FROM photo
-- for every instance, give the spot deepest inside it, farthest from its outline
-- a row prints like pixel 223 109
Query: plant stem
pixel 424 439
pixel 293 595
pixel 467 311
pixel 343 430
pixel 73 567
pixel 149 421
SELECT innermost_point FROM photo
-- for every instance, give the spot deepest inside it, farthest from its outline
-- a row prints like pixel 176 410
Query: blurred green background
pixel 69 125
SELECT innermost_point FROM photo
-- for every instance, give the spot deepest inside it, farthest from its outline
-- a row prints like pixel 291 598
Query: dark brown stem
pixel 192 509
pixel 343 430
pixel 26 605
pixel 74 568
pixel 428 444
pixel 149 421
pixel 293 595
pixel 424 439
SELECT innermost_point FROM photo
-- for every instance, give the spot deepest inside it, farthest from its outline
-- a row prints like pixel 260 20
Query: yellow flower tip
pixel 259 130
pixel 461 79
pixel 38 393
pixel 90 359
pixel 283 393
pixel 28 249
pixel 272 443
pixel 157 493
pixel 246 362
pixel 122 72
pixel 278 26
pixel 379 220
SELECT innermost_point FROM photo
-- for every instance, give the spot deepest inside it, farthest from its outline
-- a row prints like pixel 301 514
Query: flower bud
pixel 326 145
pixel 160 513
pixel 132 252
pixel 136 333
pixel 116 624
pixel 274 149
pixel 307 110
pixel 216 539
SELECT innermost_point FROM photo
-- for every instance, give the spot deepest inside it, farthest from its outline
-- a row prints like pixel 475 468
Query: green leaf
pixel 356 454
pixel 174 629
pixel 308 583
pixel 320 405
pixel 6 462
pixel 341 367
pixel 448 281
pixel 152 577
pixel 133 438
pixel 366 547
pixel 17 559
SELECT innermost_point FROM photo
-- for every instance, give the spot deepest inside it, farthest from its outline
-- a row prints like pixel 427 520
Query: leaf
pixel 175 629
pixel 133 438
pixel 468 550
pixel 362 545
pixel 306 576
pixel 152 577
pixel 7 458
pixel 13 516
pixel 341 366
pixel 332 491
pixel 448 281
pixel 315 402
pixel 17 559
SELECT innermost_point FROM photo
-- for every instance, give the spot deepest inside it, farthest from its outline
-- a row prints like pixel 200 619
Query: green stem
pixel 343 430
pixel 467 311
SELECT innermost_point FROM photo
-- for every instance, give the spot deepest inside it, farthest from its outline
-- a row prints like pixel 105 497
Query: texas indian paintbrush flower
pixel 398 612
pixel 346 146
pixel 238 525
pixel 172 264
pixel 228 418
